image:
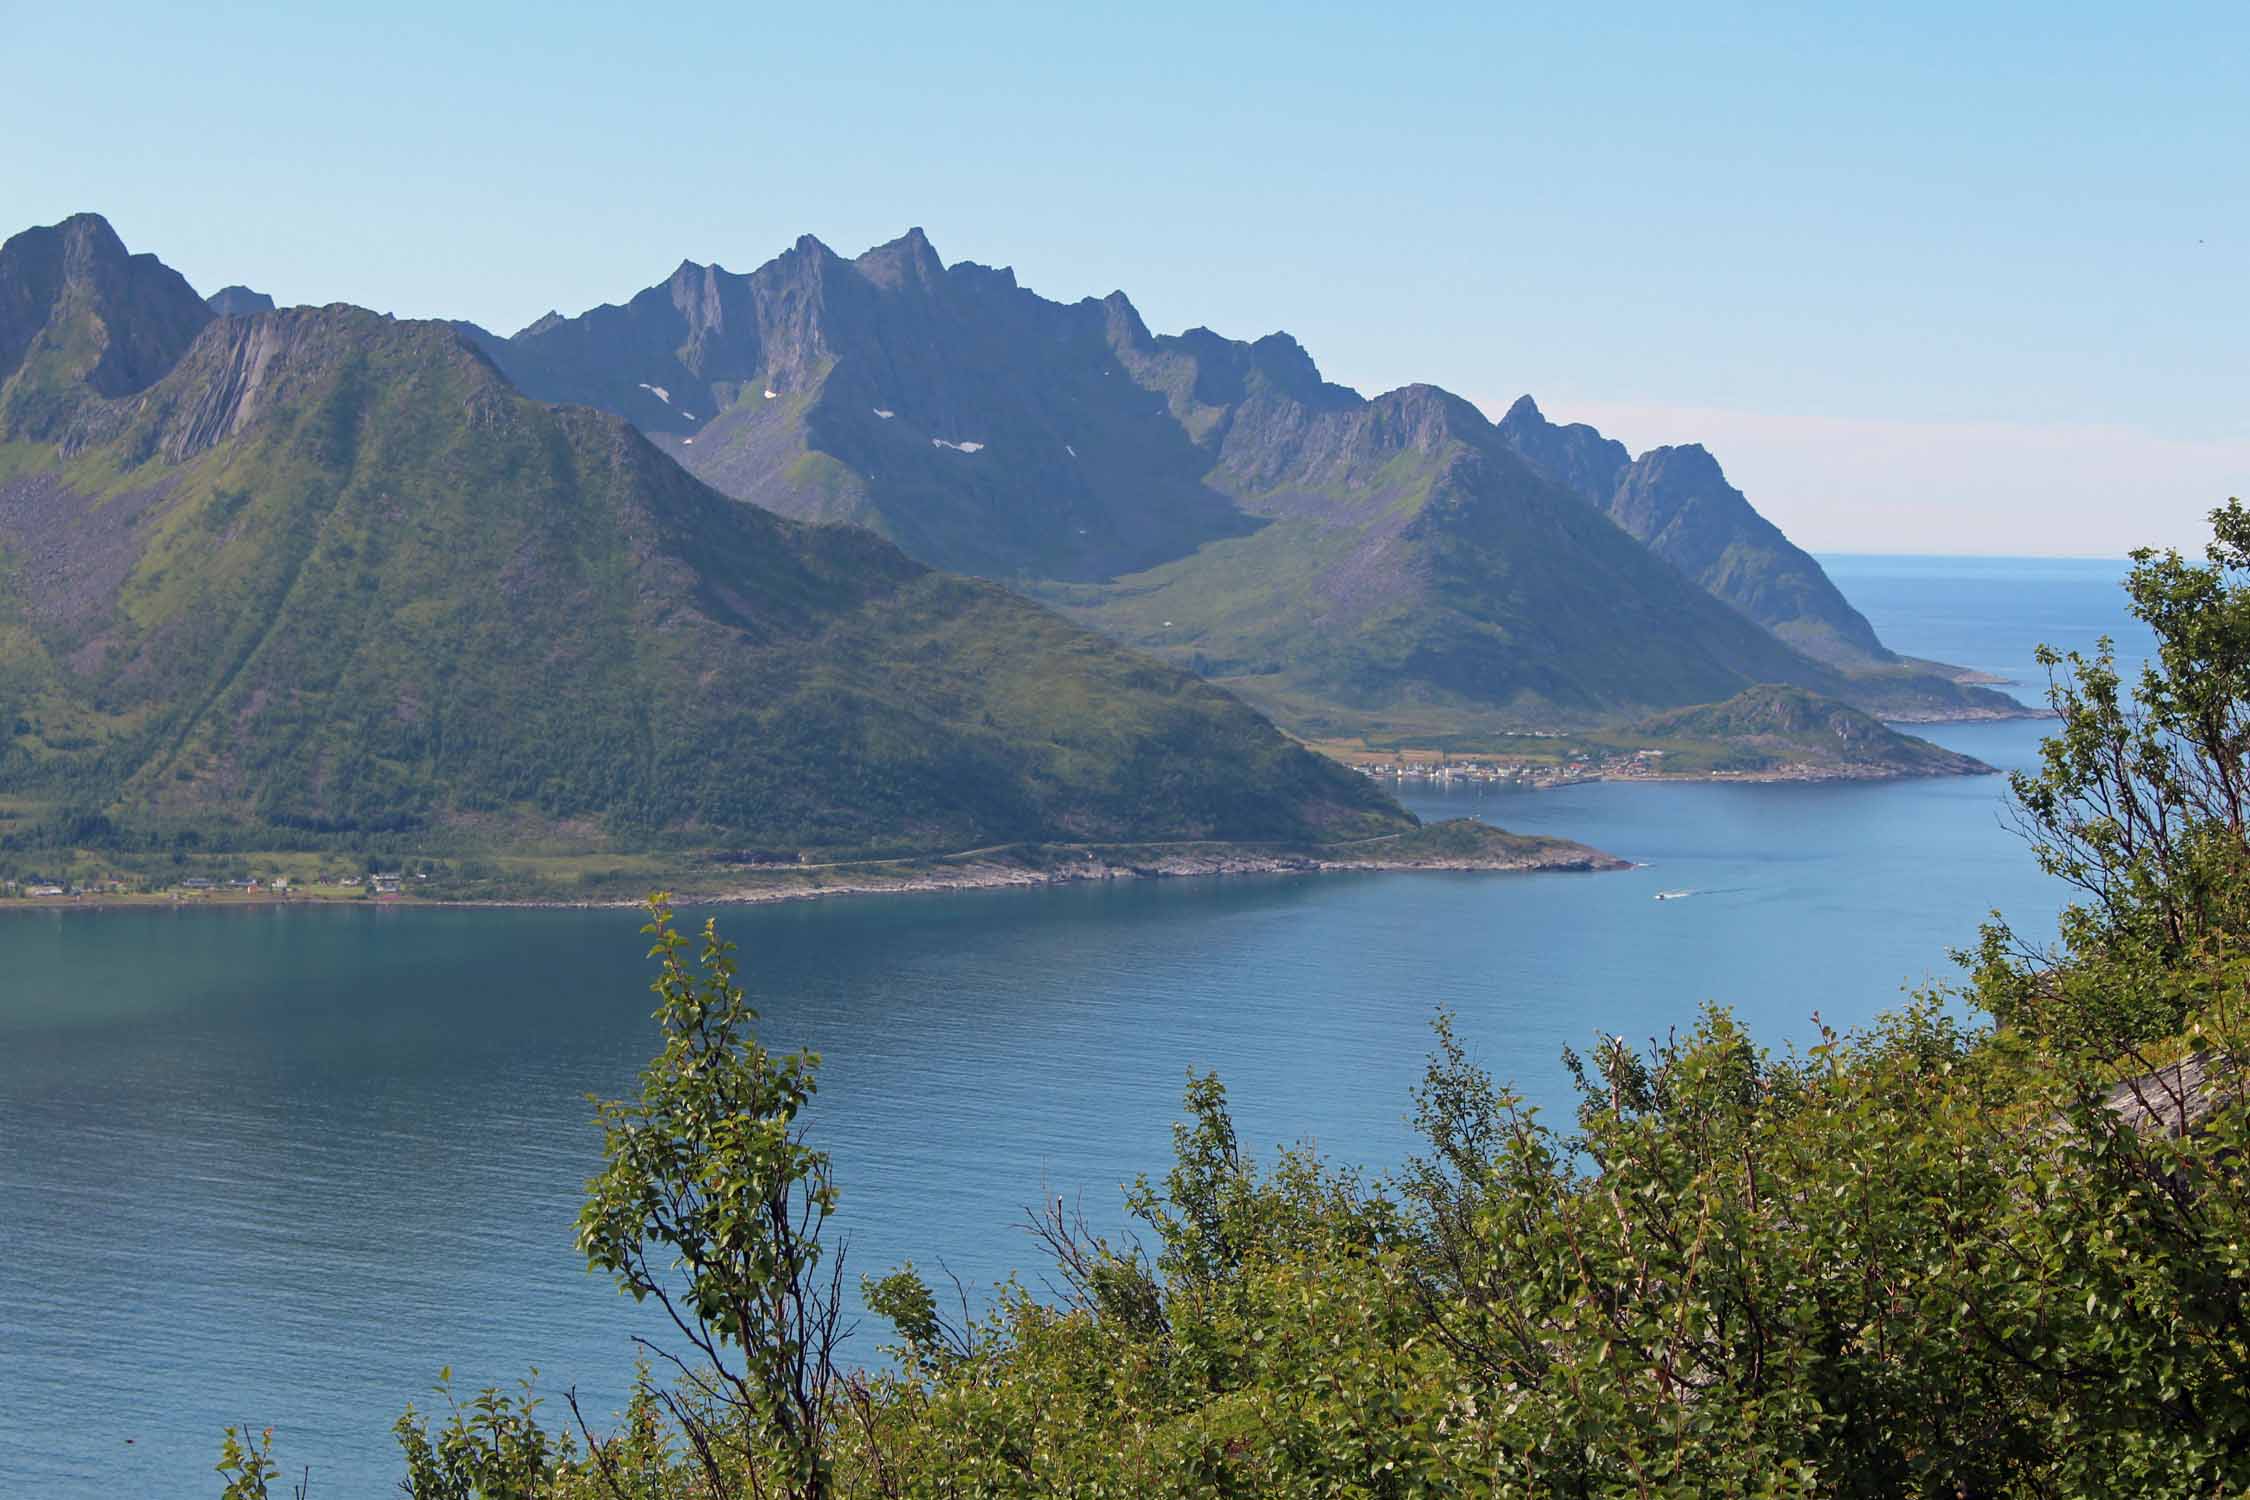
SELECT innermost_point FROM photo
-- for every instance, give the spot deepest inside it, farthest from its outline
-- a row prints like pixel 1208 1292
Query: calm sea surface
pixel 277 1167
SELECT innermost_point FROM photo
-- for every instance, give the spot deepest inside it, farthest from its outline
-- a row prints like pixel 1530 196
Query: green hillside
pixel 332 577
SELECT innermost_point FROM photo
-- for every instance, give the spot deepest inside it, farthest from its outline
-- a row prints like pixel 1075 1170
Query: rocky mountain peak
pixel 1576 456
pixel 1422 402
pixel 81 316
pixel 1684 462
pixel 909 260
pixel 968 274
pixel 807 267
pixel 700 295
pixel 1285 363
pixel 88 242
pixel 1421 418
pixel 1122 324
pixel 238 302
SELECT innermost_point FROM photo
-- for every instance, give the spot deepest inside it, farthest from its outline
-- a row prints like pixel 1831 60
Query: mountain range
pixel 322 570
pixel 321 573
pixel 1398 564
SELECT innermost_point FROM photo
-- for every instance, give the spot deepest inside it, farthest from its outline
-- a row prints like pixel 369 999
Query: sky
pixel 1925 278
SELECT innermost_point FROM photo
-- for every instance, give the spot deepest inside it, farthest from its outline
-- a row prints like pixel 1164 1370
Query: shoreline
pixel 1936 717
pixel 1777 776
pixel 1567 760
pixel 1458 845
pixel 1558 856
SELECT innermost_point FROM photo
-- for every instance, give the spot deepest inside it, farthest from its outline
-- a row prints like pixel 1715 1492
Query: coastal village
pixel 109 890
pixel 1572 768
pixel 1577 767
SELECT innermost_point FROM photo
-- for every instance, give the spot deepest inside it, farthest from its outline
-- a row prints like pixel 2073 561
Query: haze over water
pixel 277 1166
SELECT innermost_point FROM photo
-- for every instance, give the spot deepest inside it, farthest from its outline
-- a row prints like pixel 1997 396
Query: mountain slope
pixel 1215 502
pixel 331 576
pixel 1409 572
pixel 1676 501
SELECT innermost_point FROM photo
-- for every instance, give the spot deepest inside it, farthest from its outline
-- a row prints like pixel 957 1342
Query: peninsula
pixel 760 876
pixel 1764 734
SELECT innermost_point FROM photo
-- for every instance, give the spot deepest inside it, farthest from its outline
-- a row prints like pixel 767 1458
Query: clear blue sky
pixel 1933 278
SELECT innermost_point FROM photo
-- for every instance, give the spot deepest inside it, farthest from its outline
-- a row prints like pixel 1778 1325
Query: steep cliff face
pixel 231 376
pixel 1678 504
pixel 82 318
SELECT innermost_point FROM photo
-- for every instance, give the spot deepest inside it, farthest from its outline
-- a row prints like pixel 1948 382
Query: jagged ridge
pixel 1213 501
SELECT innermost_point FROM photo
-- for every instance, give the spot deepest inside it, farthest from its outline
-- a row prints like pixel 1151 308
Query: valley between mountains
pixel 836 565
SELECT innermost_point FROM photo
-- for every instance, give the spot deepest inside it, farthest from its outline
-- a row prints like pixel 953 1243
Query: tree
pixel 2140 803
pixel 492 1449
pixel 246 1463
pixel 712 1205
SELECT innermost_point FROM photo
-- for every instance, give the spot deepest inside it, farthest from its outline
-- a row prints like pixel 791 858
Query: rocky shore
pixel 1458 845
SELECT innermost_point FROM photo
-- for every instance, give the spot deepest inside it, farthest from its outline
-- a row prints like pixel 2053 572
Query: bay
pixel 277 1166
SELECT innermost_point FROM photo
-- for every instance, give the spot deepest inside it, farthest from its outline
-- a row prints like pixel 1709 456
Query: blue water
pixel 278 1166
pixel 1989 612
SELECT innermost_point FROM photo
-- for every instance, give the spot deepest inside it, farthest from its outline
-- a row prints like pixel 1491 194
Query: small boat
pixel 1672 895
